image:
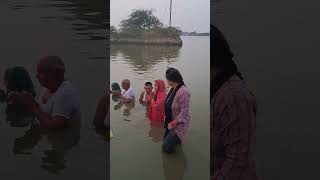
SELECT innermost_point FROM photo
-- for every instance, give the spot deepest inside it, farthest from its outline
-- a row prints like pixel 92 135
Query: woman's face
pixel 170 83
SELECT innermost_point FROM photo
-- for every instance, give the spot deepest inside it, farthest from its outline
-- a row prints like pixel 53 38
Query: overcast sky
pixel 189 15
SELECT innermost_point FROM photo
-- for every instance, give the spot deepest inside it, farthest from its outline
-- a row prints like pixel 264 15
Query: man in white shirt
pixel 58 103
pixel 127 94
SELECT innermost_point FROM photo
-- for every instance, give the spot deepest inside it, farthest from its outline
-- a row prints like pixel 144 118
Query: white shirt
pixel 64 102
pixel 129 93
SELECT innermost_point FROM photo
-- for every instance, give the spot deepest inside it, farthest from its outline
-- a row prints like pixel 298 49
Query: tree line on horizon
pixel 143 22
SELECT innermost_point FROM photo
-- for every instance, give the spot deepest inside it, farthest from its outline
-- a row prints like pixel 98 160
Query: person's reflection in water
pixel 174 165
pixel 25 144
pixel 128 107
pixel 156 131
pixel 61 142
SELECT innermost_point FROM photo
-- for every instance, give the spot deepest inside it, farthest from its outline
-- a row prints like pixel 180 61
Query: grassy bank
pixel 155 36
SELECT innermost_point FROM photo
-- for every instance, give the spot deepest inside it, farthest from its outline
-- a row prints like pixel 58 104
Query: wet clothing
pixel 156 106
pixel 64 102
pixel 233 126
pixel 130 94
pixel 171 140
pixel 179 110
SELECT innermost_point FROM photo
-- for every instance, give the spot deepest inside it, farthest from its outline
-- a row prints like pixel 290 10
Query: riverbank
pixel 148 41
pixel 156 36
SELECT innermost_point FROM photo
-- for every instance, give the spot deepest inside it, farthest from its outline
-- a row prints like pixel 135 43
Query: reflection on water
pixel 75 30
pixel 174 166
pixel 60 142
pixel 145 58
pixel 88 18
pixel 156 132
pixel 127 107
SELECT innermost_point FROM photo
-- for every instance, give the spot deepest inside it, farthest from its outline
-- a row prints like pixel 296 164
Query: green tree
pixel 140 19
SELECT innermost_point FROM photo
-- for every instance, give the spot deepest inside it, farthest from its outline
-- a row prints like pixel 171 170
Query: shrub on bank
pixel 158 32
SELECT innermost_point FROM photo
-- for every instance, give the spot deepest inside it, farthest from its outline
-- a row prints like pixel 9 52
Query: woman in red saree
pixel 156 104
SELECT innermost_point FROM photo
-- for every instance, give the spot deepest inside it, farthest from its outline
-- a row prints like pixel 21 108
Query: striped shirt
pixel 181 112
pixel 233 126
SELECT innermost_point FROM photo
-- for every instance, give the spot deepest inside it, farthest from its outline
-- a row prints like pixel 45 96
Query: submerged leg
pixel 170 142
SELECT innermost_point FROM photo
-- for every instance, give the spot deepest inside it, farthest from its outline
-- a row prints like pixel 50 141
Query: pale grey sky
pixel 189 15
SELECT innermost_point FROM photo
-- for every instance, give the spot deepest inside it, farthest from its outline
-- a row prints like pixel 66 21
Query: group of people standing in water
pixel 172 108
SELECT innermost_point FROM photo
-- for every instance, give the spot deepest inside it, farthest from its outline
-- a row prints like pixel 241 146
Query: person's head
pixel 18 79
pixel 125 84
pixel 173 77
pixel 159 86
pixel 115 87
pixel 148 87
pixel 222 54
pixel 222 66
pixel 50 71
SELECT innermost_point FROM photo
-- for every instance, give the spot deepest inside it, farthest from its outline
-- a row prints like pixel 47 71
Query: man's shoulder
pixel 131 90
pixel 67 89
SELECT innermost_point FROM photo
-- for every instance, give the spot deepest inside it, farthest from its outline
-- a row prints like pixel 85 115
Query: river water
pixel 276 45
pixel 76 31
pixel 136 145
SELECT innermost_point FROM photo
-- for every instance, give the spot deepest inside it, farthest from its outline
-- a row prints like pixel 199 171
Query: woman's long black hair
pixel 222 59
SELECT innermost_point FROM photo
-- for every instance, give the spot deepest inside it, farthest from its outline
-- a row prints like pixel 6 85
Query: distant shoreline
pixel 194 34
pixel 165 41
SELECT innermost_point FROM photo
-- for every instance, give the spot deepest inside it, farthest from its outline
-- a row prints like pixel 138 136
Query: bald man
pixel 127 94
pixel 57 103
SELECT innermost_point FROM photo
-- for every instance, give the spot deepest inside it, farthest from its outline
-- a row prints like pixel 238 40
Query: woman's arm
pixel 183 98
pixel 141 100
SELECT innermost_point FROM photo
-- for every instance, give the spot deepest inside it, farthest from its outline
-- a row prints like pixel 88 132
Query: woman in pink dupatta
pixel 156 105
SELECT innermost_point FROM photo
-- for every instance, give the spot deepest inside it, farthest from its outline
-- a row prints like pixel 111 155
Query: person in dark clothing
pixel 177 111
pixel 233 116
pixel 17 79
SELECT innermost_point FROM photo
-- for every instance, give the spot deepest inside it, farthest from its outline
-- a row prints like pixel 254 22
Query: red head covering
pixel 156 108
pixel 161 87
